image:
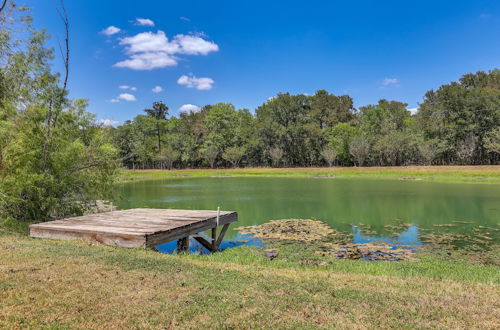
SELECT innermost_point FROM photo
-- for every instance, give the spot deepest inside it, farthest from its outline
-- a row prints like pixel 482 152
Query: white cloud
pixel 144 22
pixel 110 30
pixel 157 89
pixel 194 45
pixel 412 110
pixel 184 18
pixel 123 97
pixel 390 81
pixel 147 61
pixel 132 88
pixel 189 108
pixel 107 122
pixel 149 50
pixel 198 83
pixel 127 97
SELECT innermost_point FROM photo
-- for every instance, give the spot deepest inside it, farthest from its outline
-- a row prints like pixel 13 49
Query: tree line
pixel 459 123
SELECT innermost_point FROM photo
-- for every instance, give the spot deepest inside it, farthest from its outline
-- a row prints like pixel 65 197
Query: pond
pixel 365 207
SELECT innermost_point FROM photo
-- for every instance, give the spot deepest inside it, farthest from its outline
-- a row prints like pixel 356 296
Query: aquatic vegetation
pixel 325 240
pixel 370 252
pixel 316 238
pixel 303 230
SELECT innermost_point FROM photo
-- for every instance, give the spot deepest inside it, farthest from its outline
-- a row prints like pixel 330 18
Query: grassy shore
pixel 57 284
pixel 79 284
pixel 465 174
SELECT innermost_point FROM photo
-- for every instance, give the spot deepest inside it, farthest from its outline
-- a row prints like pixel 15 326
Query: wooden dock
pixel 141 227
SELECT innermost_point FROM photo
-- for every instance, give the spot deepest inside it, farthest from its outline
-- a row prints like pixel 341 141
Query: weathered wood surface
pixel 135 227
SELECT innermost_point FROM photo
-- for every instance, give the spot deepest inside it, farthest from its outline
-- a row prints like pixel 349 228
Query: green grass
pixel 430 266
pixel 80 284
pixel 464 174
pixel 77 284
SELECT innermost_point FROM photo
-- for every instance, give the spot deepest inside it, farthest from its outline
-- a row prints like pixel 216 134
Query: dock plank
pixel 135 227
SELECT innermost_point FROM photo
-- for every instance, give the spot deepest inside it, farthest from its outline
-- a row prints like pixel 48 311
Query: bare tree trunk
pixel 50 120
pixel 158 133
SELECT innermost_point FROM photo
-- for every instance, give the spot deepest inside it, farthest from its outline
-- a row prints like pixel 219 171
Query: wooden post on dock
pixel 183 244
pixel 214 239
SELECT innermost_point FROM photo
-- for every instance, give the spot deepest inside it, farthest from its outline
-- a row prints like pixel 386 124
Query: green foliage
pixel 340 138
pixel 492 141
pixel 168 156
pixel 54 158
pixel 234 155
pixel 359 149
pixel 158 112
pixel 221 123
pixel 463 115
pixel 457 124
pixel 329 154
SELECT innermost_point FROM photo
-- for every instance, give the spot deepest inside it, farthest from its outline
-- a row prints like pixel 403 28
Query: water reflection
pixel 409 237
pixel 196 248
pixel 378 205
pixel 338 202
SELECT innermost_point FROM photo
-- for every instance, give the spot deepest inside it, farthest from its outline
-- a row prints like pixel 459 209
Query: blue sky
pixel 243 52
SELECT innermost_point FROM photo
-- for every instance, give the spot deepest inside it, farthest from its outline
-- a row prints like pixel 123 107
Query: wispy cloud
pixel 390 81
pixel 110 30
pixel 184 18
pixel 157 89
pixel 189 108
pixel 107 122
pixel 194 82
pixel 123 97
pixel 148 50
pixel 132 88
pixel 144 22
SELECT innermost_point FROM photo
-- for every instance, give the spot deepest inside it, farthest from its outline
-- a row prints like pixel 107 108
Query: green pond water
pixel 345 204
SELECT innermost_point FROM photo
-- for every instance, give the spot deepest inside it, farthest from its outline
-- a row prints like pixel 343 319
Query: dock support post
pixel 183 244
pixel 214 238
pixel 221 236
pixel 215 241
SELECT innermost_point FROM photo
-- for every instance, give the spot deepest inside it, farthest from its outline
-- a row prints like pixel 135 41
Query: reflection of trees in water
pixel 411 236
pixel 336 201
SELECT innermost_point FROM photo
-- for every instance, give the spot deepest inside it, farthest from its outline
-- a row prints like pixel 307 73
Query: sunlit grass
pixel 469 174
pixel 57 284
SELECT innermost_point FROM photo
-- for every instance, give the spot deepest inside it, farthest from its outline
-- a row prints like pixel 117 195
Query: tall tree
pixel 283 121
pixel 456 111
pixel 56 160
pixel 159 111
pixel 328 110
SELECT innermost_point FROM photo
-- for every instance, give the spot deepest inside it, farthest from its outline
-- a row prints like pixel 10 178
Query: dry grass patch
pixel 71 284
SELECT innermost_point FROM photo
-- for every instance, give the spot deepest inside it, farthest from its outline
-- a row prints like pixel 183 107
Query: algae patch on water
pixel 301 230
pixel 325 240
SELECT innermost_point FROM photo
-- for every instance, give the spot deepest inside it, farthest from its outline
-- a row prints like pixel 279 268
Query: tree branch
pixel 63 14
pixel 3 5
